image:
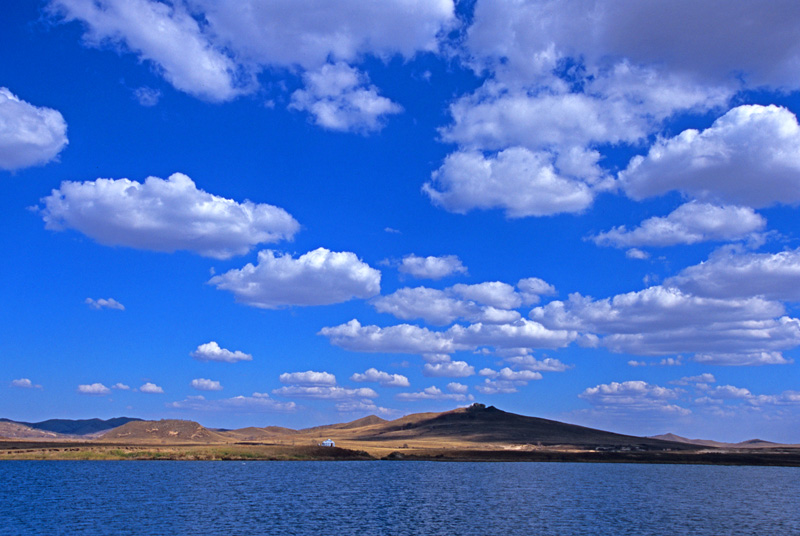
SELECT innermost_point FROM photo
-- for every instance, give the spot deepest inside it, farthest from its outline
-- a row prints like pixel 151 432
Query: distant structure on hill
pixel 327 443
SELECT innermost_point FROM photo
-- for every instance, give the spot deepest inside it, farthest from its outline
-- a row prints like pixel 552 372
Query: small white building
pixel 327 443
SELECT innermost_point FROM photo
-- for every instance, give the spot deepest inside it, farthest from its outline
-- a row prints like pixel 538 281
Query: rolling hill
pixel 481 425
pixel 78 427
pixel 164 431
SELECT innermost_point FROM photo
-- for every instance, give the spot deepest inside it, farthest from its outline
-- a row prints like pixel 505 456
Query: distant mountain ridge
pixel 75 427
pixel 476 426
pixel 749 444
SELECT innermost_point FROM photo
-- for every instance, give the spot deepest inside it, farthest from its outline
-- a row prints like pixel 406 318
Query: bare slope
pixel 14 430
pixel 74 427
pixel 164 431
pixel 478 424
pixel 749 444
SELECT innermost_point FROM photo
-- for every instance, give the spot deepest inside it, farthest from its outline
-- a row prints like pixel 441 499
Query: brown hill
pixel 358 423
pixel 270 434
pixel 163 431
pixel 749 444
pixel 13 430
pixel 480 424
pixel 698 442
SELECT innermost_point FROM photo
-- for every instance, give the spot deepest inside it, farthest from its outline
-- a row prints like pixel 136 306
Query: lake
pixel 395 498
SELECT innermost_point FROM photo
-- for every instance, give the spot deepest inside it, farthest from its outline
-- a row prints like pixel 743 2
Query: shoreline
pixel 45 450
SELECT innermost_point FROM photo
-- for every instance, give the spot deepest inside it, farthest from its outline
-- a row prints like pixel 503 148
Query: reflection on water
pixel 395 498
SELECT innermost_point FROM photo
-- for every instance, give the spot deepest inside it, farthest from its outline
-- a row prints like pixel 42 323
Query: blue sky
pixel 296 213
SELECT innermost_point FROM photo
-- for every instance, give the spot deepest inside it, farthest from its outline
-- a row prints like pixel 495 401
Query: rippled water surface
pixel 395 498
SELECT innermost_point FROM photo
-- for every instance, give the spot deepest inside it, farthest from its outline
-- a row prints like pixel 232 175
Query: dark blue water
pixel 395 498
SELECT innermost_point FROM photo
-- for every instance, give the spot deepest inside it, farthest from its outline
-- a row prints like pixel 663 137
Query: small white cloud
pixel 493 293
pixel 324 392
pixel 633 363
pixel 635 253
pixel 211 351
pixel 700 378
pixel 319 277
pixel 521 182
pixel 151 388
pixel 448 369
pixel 147 96
pixel 104 303
pixel 431 267
pixel 455 387
pixel 690 223
pixel 634 396
pixel 202 384
pixel 165 215
pixel 362 406
pixel 121 387
pixel 257 403
pixel 441 307
pixel 29 135
pixel 309 377
pixel 391 230
pixel 25 383
pixel 494 387
pixel 383 378
pixel 532 289
pixel 94 389
pixel 506 374
pixel 434 393
pixel 403 338
pixel 743 358
pixel 339 97
pixel 548 364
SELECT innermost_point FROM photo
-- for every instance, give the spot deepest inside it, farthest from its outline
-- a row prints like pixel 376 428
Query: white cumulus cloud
pixel 165 215
pixel 308 377
pixel 383 378
pixel 531 289
pixel 690 223
pixel 441 307
pixel 319 277
pixel 324 392
pixel 434 393
pixel 431 267
pixel 493 293
pixel 506 374
pixel 548 364
pixel 104 303
pixel 339 97
pixel 448 369
pixel 93 389
pixel 151 388
pixel 634 395
pixel 203 384
pixel 215 50
pixel 517 180
pixel 663 321
pixel 25 383
pixel 29 135
pixel 166 35
pixel 750 156
pixel 729 273
pixel 403 338
pixel 257 403
pixel 211 351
